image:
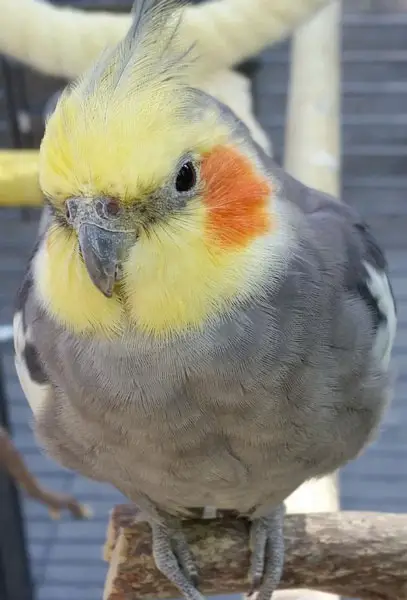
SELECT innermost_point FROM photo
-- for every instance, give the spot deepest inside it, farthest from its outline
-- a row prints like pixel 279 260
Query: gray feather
pixel 150 51
pixel 286 387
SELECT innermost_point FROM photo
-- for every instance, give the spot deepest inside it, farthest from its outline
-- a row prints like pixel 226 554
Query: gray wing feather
pixel 30 370
pixel 366 270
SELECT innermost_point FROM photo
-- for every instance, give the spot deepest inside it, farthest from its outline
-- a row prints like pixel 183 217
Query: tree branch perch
pixel 357 554
pixel 12 461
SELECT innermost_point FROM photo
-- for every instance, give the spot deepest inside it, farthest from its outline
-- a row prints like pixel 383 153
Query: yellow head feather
pixel 109 121
pixel 120 131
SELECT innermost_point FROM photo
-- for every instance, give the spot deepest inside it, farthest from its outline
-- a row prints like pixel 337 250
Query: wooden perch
pixel 356 554
pixel 12 461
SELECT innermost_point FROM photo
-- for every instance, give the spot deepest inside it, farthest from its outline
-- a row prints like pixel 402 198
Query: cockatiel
pixel 195 326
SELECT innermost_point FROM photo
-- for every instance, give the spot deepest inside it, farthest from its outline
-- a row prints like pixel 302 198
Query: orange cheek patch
pixel 236 196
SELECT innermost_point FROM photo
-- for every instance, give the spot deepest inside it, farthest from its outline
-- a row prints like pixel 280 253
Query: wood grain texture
pixel 356 554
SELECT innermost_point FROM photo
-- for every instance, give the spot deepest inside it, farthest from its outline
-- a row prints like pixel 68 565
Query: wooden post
pixel 312 155
pixel 313 117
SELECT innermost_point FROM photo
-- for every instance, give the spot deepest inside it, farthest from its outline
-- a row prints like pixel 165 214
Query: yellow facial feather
pixel 176 278
pixel 67 292
pixel 126 152
pixel 120 132
pixel 174 281
pixel 122 128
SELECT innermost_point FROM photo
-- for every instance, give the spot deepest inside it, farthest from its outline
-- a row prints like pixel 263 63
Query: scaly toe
pixel 185 558
pixel 258 543
pixel 267 561
pixel 174 559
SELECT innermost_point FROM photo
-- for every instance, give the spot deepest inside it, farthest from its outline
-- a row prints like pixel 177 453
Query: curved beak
pixel 103 252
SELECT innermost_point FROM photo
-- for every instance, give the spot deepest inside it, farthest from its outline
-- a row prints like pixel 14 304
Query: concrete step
pixel 368 102
pixel 353 134
pixel 348 56
pixel 376 134
pixel 371 160
pixel 376 202
pixel 373 11
pixel 381 181
pixel 375 104
pixel 361 35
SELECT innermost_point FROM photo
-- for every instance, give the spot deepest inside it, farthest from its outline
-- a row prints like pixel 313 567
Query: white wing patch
pixel 35 393
pixel 379 287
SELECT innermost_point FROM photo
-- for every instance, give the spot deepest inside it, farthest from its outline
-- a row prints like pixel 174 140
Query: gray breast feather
pixel 282 390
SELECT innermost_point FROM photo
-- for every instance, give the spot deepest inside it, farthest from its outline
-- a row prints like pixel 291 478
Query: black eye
pixel 186 178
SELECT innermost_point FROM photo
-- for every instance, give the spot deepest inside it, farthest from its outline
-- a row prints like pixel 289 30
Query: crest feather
pixel 151 54
pixel 137 94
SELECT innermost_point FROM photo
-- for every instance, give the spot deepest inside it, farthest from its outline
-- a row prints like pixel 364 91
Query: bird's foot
pixel 174 559
pixel 267 559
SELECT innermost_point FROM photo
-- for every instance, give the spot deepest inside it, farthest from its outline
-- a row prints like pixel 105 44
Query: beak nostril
pixel 107 208
pixel 112 208
pixel 70 210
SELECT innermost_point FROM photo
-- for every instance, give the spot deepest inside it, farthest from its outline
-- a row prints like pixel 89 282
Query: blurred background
pixel 64 557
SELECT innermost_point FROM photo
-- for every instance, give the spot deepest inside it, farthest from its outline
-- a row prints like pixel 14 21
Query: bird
pixel 195 326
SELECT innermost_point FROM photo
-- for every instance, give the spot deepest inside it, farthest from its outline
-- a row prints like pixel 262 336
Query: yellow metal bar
pixel 19 178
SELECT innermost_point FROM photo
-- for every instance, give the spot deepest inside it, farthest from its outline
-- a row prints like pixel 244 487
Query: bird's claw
pixel 174 559
pixel 267 560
